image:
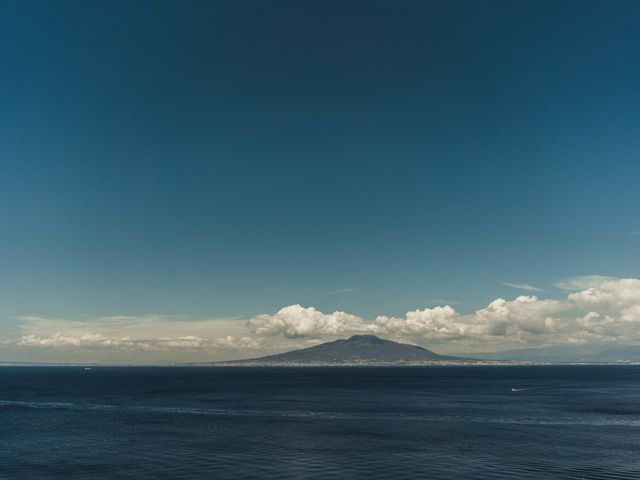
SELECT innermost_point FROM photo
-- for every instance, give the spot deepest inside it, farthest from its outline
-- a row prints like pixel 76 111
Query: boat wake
pixel 525 389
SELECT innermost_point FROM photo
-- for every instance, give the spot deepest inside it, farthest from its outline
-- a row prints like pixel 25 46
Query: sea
pixel 454 422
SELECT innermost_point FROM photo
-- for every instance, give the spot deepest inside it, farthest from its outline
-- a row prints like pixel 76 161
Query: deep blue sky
pixel 228 158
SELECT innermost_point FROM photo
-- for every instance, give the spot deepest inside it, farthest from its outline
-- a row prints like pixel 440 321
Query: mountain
pixel 588 353
pixel 555 353
pixel 627 353
pixel 357 349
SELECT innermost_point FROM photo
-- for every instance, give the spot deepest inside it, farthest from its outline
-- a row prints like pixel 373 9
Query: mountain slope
pixel 625 353
pixel 359 348
pixel 589 353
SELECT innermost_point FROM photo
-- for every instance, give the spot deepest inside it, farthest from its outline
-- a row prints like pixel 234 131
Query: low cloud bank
pixel 148 333
pixel 166 344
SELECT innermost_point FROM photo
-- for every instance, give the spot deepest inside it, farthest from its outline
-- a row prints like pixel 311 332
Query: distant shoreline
pixel 232 364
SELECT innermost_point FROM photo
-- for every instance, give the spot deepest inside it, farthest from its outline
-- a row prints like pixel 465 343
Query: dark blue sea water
pixel 320 423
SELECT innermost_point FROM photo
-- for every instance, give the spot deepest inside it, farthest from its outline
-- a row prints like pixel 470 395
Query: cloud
pixel 636 233
pixel 297 321
pixel 131 333
pixel 582 282
pixel 340 291
pixel 435 302
pixel 435 323
pixel 620 298
pixel 523 286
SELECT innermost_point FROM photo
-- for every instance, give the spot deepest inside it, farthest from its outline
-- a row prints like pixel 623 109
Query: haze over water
pixel 564 422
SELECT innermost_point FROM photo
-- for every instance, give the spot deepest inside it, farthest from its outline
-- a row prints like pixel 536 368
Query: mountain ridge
pixel 587 353
pixel 356 349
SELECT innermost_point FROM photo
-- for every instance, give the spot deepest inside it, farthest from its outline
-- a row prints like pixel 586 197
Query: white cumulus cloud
pixel 297 321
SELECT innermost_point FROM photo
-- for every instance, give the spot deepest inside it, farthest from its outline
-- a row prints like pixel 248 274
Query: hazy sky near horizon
pixel 170 171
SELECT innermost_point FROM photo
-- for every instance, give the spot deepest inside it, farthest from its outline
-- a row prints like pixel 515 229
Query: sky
pixel 208 180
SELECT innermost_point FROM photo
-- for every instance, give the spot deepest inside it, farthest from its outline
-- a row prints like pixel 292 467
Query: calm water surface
pixel 318 423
